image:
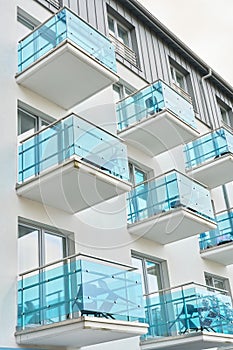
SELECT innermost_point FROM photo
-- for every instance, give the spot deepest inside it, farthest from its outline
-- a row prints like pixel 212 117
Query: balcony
pixel 79 301
pixel 190 316
pixel 66 60
pixel 209 158
pixel 72 165
pixel 217 245
pixel 156 119
pixel 169 208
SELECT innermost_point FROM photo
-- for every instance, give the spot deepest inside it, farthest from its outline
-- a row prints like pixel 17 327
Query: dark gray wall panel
pixel 154 55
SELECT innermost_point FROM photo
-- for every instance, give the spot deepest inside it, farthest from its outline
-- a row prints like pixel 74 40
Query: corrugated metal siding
pixel 154 55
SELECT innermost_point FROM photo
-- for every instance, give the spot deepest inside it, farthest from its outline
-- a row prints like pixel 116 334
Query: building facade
pixel 116 182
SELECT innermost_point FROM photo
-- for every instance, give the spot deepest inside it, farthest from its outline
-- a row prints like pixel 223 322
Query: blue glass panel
pixel 166 193
pixel 223 234
pixel 90 40
pixel 42 40
pixel 188 308
pixel 151 100
pixel 208 147
pixel 72 136
pixel 78 288
pixel 65 25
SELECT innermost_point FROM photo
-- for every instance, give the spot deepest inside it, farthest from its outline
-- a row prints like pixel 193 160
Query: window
pixel 178 78
pixel 29 121
pixel 27 20
pixel 181 81
pixel 151 273
pixel 120 32
pixel 139 200
pixel 137 174
pixel 154 277
pixel 121 91
pixel 217 282
pixel 38 245
pixel 122 35
pixel 226 113
pixel 51 4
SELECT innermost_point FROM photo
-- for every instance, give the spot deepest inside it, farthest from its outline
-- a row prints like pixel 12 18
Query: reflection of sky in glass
pixel 28 254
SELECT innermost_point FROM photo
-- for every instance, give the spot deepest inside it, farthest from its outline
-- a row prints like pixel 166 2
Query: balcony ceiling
pixel 66 76
pixel 189 341
pixel 158 133
pixel 214 173
pixel 83 331
pixel 73 186
pixel 171 226
pixel 222 254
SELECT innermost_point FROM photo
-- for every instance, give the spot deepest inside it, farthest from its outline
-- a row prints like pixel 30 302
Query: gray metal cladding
pixel 154 55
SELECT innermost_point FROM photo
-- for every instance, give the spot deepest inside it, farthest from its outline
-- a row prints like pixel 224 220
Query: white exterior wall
pixel 100 230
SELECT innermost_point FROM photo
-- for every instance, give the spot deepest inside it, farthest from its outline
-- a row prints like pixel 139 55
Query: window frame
pixel 39 117
pixel 117 22
pixel 174 72
pixel 227 110
pixel 144 259
pixel 186 91
pixel 128 52
pixel 26 19
pixel 68 248
pixel 124 90
pixel 211 277
pixel 135 166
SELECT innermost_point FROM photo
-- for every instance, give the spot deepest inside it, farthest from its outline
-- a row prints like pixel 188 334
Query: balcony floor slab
pixel 66 76
pixel 172 226
pixel 191 341
pixel 158 133
pixel 73 186
pixel 215 172
pixel 222 254
pixel 83 331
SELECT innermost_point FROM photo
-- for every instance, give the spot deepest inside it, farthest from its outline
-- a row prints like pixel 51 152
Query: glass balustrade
pixel 78 286
pixel 222 235
pixel 68 137
pixel 208 147
pixel 164 194
pixel 188 308
pixel 151 100
pixel 63 26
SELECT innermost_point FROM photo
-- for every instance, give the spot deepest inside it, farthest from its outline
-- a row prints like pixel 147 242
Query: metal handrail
pixel 67 116
pixel 224 211
pixel 67 258
pixel 75 14
pixel 167 173
pixel 187 284
pixel 151 84
pixel 224 127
